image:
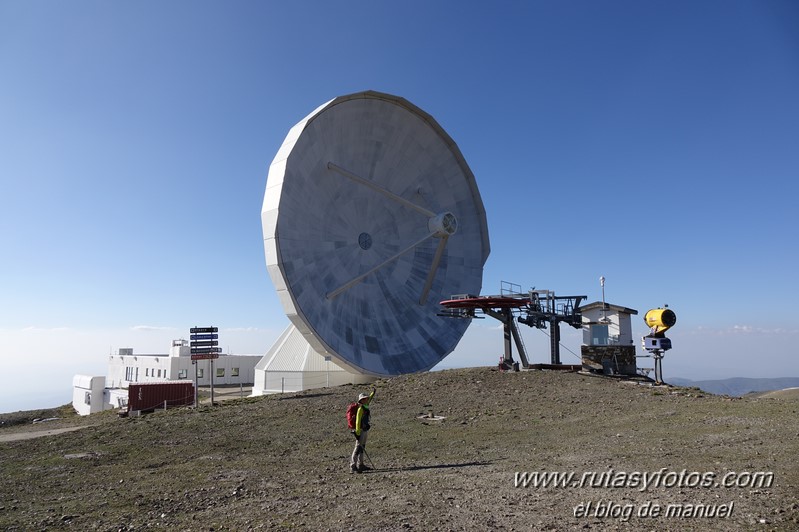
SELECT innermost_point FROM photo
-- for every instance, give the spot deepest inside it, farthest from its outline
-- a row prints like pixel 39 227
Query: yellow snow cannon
pixel 660 320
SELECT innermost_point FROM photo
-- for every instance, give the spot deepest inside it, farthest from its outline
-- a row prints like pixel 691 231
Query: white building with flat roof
pixel 126 367
pixel 94 393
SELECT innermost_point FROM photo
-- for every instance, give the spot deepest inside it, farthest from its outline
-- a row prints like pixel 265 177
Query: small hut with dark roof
pixel 608 346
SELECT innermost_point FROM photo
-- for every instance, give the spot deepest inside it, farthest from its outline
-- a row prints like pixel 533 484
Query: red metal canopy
pixel 485 302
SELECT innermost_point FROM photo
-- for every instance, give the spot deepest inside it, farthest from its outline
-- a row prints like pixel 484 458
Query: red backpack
pixel 352 413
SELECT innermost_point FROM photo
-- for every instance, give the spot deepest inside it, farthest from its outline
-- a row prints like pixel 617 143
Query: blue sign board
pixel 204 337
pixel 203 330
pixel 201 350
pixel 205 343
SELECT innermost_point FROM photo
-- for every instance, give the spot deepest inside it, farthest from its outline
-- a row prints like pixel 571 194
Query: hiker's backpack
pixel 352 413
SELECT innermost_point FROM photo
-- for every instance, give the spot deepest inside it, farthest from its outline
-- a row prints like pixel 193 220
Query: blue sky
pixel 654 143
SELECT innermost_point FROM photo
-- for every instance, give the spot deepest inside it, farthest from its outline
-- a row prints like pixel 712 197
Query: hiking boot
pixel 354 469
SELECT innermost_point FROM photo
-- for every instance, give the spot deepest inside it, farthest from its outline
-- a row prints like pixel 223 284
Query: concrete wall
pixel 87 394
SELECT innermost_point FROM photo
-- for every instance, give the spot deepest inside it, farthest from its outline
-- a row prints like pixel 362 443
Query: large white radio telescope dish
pixel 371 216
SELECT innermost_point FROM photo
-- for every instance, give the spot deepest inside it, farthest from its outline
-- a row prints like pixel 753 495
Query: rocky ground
pixel 282 461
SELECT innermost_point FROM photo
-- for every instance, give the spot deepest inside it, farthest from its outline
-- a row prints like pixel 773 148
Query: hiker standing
pixel 360 432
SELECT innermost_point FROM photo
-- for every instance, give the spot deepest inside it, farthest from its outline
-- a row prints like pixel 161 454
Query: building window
pixel 599 335
pixel 220 372
pixel 234 372
pixel 146 372
pixel 159 373
pixel 88 398
pixel 182 374
pixel 200 373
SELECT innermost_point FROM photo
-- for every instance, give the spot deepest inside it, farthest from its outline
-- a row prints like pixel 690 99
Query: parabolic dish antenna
pixel 371 216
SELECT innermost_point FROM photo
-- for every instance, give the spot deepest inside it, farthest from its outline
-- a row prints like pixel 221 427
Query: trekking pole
pixel 368 457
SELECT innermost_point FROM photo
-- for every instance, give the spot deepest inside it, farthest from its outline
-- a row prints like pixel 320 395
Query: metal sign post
pixel 204 342
pixel 196 383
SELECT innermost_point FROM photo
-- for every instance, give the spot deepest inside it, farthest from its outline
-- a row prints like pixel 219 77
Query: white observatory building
pixel 97 393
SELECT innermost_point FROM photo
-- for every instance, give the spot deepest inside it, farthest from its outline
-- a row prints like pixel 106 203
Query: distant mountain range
pixel 738 386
